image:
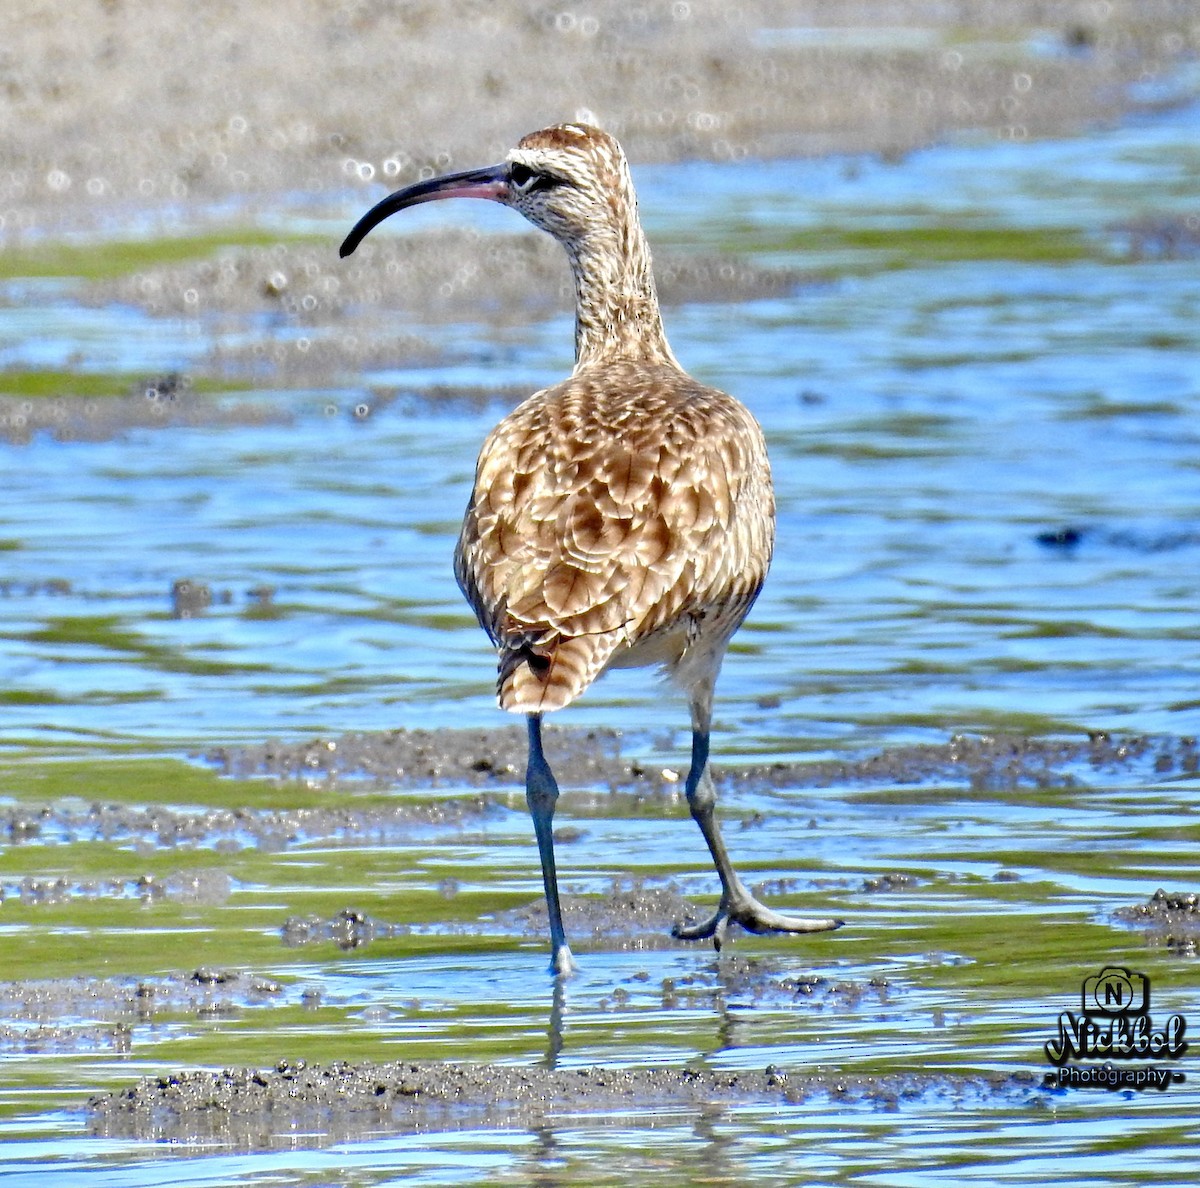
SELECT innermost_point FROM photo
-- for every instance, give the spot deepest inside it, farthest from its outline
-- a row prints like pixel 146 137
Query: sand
pixel 117 111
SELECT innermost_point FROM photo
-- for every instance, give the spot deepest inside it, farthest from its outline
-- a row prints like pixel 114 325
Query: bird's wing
pixel 606 509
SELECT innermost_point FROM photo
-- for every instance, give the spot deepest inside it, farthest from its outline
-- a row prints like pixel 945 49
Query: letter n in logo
pixel 1116 991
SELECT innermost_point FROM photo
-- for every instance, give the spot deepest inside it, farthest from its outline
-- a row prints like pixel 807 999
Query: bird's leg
pixel 541 794
pixel 737 904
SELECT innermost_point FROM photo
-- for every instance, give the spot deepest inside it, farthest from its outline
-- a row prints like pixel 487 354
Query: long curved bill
pixel 491 183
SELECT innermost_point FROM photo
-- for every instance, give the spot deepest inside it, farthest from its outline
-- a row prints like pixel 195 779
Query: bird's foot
pixel 562 964
pixel 742 908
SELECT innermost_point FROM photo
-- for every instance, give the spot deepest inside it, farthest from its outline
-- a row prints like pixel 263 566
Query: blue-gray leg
pixel 541 794
pixel 737 904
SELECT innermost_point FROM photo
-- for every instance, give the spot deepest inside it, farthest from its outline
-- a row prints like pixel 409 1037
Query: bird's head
pixel 571 180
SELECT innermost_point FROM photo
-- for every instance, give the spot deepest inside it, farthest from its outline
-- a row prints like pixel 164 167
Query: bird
pixel 622 517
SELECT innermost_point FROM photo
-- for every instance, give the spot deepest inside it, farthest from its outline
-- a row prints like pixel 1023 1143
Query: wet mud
pixel 763 982
pixel 102 135
pixel 297 315
pixel 69 416
pixel 599 759
pixel 1162 237
pixel 241 1106
pixel 106 140
pixel 1171 919
pixel 588 763
pixel 206 886
pixel 631 916
pixel 229 830
pixel 342 1101
pixel 76 1014
pixel 301 96
pixel 427 758
pixel 438 275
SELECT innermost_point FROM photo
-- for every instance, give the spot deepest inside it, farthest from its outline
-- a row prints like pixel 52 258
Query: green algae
pixel 107 259
pixel 108 634
pixel 952 970
pixel 50 384
pixel 943 243
pixel 840 250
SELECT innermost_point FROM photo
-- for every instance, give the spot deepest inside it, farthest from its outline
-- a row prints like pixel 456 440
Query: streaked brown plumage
pixel 622 517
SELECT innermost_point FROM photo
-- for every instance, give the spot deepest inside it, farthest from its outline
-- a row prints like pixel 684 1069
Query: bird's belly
pixel 665 647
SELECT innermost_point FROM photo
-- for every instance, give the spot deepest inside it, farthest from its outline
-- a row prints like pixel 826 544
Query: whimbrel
pixel 622 517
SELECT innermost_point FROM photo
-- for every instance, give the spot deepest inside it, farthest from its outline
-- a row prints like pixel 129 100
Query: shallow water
pixel 998 365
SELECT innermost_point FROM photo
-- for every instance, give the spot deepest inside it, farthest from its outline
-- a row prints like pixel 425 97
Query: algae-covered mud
pixel 270 908
pixel 279 963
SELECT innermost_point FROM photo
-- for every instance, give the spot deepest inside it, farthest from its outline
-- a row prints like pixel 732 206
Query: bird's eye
pixel 526 181
pixel 522 176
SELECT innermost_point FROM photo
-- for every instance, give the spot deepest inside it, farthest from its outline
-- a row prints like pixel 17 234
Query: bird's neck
pixel 616 305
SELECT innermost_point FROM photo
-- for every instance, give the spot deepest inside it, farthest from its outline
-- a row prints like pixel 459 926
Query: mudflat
pixel 118 105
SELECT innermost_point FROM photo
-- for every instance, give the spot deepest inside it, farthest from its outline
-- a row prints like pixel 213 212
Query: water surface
pixel 982 417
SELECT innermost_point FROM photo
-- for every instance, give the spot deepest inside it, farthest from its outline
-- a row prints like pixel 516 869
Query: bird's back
pixel 621 516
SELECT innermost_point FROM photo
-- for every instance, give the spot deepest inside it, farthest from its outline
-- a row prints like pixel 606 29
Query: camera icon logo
pixel 1116 990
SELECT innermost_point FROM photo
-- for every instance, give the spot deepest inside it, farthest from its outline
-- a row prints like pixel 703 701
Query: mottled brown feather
pixel 625 515
pixel 606 510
